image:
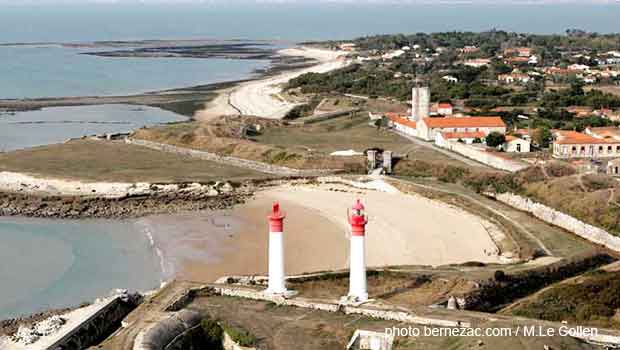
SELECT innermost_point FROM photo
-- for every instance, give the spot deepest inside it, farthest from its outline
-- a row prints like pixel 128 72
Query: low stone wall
pixel 481 156
pixel 557 218
pixel 233 161
pixel 370 311
pixel 96 327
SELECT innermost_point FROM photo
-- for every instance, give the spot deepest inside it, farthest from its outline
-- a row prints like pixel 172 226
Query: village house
pixel 607 132
pixel 579 67
pixel 514 78
pixel 525 134
pixel 429 128
pixel 469 50
pixel 477 62
pixel 580 111
pixel 518 51
pixel 347 47
pixel 517 60
pixel 402 123
pixel 515 144
pixel 444 108
pixel 573 144
pixel 465 137
pixel 608 114
pixel 450 79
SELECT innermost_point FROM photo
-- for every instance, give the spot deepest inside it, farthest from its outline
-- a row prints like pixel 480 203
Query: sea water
pixel 57 124
pixel 62 263
pixel 35 71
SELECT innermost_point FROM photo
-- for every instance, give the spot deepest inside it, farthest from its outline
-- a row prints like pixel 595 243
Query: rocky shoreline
pixel 81 207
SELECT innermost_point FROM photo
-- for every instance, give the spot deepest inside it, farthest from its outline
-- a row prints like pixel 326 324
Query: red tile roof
pixel 444 105
pixel 401 119
pixel 466 122
pixel 463 135
pixel 577 138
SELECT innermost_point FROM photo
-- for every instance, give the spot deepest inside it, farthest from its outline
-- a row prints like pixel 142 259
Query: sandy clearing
pixel 260 97
pixel 403 230
pixel 217 107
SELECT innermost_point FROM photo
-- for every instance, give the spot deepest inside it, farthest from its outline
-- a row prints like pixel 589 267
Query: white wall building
pixel 514 144
pixel 429 128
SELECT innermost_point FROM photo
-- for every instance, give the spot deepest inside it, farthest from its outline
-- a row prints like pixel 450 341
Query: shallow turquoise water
pixel 49 263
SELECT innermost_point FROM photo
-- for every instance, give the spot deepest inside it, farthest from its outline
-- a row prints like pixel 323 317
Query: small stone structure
pixel 613 167
pixel 367 340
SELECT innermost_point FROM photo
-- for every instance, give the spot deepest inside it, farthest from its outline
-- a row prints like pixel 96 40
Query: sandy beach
pixel 403 230
pixel 261 97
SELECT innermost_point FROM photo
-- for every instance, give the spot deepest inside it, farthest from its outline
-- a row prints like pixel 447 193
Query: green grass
pixel 116 161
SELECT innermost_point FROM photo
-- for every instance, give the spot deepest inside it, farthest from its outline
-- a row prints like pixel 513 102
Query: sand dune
pixel 261 97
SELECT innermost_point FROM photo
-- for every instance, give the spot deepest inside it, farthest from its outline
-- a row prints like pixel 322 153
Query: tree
pixel 495 139
pixel 542 137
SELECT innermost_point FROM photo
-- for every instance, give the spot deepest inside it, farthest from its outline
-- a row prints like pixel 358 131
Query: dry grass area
pixel 594 198
pixel 297 146
pixel 90 160
pixel 284 328
pixel 402 289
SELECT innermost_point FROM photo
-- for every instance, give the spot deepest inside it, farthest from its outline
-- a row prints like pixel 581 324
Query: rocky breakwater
pixel 51 198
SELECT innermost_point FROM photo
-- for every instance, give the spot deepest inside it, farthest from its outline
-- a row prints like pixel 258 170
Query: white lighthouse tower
pixel 276 252
pixel 357 266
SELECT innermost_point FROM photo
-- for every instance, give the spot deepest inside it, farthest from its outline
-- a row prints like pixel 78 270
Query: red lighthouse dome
pixel 358 219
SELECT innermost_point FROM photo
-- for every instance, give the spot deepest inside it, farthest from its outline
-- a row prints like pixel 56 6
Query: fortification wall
pixel 381 313
pixel 233 161
pixel 481 156
pixel 557 218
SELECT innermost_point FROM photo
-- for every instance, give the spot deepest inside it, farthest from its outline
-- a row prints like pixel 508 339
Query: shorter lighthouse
pixel 276 251
pixel 357 266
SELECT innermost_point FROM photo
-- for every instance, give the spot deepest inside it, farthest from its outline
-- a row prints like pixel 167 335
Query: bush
pixel 240 335
pixel 213 334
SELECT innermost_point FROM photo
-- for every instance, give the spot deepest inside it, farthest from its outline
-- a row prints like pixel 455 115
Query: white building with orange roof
pixel 515 144
pixel 573 144
pixel 402 124
pixel 429 128
pixel 444 108
pixel 466 137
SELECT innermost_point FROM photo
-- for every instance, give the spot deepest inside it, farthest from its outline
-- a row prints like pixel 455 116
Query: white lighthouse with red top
pixel 276 251
pixel 357 266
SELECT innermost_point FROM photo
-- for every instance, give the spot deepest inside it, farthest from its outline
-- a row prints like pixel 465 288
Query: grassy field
pixel 297 146
pixel 116 161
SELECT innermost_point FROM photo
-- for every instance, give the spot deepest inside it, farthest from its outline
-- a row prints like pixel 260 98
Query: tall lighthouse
pixel 357 266
pixel 276 251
